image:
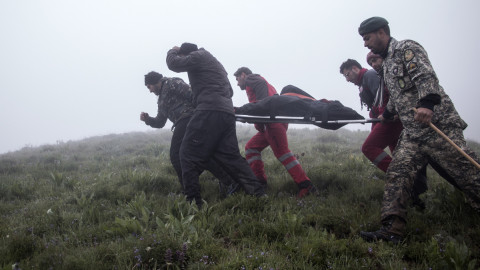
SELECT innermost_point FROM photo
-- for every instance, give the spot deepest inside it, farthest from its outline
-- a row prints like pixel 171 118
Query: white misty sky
pixel 74 69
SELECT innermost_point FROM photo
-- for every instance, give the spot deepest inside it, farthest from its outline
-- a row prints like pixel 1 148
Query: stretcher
pixel 295 106
pixel 252 119
pixel 329 124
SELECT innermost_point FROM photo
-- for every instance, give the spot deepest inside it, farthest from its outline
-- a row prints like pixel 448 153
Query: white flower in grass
pixel 50 212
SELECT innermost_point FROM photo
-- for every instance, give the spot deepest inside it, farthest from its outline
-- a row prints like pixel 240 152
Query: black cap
pixel 187 48
pixel 372 24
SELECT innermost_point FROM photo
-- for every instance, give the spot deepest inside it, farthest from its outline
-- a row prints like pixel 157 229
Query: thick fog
pixel 74 69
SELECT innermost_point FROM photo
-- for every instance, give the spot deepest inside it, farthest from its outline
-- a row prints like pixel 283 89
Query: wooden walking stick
pixel 452 143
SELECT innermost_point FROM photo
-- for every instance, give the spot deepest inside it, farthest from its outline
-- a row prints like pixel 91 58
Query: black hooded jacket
pixel 208 79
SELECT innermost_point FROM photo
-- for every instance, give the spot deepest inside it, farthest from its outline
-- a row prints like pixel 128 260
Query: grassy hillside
pixel 112 202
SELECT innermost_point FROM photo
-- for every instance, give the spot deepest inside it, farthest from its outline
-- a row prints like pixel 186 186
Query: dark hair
pixel 349 64
pixel 242 70
pixel 187 48
pixel 152 78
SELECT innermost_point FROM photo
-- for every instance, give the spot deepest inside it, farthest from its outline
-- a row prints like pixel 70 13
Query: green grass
pixel 112 202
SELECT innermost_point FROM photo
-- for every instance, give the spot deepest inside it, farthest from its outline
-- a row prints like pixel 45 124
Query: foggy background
pixel 75 69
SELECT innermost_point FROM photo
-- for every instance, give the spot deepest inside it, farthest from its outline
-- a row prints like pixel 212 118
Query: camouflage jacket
pixel 409 76
pixel 174 102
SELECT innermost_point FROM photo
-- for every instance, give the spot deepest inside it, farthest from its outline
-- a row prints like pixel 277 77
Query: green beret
pixel 372 24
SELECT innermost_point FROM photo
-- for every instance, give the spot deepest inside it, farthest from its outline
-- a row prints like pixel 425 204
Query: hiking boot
pixel 306 188
pixel 382 234
pixel 390 231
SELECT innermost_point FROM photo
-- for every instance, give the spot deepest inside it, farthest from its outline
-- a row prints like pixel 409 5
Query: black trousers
pixel 420 183
pixel 212 134
pixel 178 133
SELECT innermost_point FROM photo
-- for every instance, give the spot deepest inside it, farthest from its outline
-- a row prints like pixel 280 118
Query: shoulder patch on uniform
pixel 408 55
pixel 412 66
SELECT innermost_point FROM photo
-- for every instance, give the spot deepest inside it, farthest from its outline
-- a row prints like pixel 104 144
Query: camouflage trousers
pixel 412 154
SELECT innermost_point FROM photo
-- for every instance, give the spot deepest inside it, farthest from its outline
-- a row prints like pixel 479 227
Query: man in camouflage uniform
pixel 412 83
pixel 175 104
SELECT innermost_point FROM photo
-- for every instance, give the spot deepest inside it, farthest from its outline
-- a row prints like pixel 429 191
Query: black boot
pixel 390 231
pixel 306 188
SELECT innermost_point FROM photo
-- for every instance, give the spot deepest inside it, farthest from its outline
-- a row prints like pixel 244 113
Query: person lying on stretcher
pixel 294 101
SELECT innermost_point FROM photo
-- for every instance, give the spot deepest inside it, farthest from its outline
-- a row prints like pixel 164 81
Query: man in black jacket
pixel 175 104
pixel 211 132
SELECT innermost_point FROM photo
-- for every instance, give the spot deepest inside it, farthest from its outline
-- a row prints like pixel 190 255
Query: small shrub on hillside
pixel 18 190
pixel 149 182
pixel 19 246
pixel 9 166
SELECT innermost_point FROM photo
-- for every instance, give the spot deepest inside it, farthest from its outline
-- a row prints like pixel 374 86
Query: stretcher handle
pixel 297 120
